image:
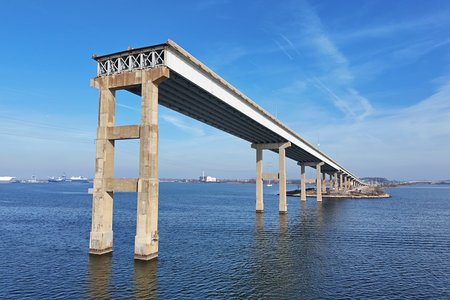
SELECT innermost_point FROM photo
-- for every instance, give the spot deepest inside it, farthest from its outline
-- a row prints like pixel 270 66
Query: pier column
pixel 324 182
pixel 302 183
pixel 101 237
pixel 259 180
pixel 146 240
pixel 319 181
pixel 282 175
pixel 341 181
pixel 330 182
pixel 335 181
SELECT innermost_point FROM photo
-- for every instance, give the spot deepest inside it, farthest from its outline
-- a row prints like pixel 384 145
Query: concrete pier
pixel 146 186
pixel 282 207
pixel 259 180
pixel 324 182
pixel 101 236
pixel 281 175
pixel 335 181
pixel 146 240
pixel 302 182
pixel 319 181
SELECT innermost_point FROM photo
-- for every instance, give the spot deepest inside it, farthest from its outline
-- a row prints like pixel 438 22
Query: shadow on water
pixel 145 279
pixel 100 276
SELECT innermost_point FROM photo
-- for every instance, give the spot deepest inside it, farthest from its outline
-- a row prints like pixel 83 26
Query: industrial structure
pixel 168 75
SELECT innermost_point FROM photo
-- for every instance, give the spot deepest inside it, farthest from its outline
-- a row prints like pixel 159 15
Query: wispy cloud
pixel 179 123
pixel 385 30
pixel 283 49
pixel 353 105
pixel 333 76
pixel 404 142
pixel 290 43
pixel 286 46
pixel 128 107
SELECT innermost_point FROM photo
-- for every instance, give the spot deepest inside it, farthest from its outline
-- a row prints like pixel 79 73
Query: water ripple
pixel 213 245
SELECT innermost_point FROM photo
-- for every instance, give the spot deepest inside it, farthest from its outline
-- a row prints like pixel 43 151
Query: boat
pixel 78 179
pixel 7 179
pixel 32 180
pixel 57 179
pixel 269 183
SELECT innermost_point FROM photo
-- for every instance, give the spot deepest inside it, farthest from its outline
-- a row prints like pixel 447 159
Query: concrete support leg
pixel 101 237
pixel 319 181
pixel 259 181
pixel 335 181
pixel 146 240
pixel 282 180
pixel 324 183
pixel 341 182
pixel 302 183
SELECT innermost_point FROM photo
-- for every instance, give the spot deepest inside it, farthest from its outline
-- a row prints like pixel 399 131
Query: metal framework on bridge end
pixel 139 59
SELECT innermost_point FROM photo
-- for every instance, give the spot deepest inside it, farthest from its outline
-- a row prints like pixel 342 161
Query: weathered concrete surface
pixel 146 240
pixel 101 236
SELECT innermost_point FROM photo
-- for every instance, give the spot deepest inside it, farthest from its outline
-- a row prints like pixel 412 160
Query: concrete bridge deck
pixel 196 91
pixel 168 75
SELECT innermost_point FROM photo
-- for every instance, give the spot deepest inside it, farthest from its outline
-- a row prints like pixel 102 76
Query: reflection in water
pixel 259 223
pixel 100 276
pixel 319 214
pixel 282 224
pixel 145 279
pixel 303 211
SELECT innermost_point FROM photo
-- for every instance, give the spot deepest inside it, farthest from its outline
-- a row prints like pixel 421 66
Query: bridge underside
pixel 181 95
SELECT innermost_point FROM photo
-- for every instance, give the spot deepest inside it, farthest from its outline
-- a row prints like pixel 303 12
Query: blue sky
pixel 367 80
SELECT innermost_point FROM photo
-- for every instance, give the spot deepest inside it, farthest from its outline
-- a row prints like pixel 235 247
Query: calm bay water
pixel 213 245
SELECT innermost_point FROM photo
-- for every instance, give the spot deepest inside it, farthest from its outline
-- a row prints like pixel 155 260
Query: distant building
pixel 204 178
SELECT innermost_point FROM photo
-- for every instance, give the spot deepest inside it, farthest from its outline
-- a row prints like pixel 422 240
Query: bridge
pixel 166 74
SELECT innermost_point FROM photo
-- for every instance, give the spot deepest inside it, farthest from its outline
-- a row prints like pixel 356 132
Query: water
pixel 213 245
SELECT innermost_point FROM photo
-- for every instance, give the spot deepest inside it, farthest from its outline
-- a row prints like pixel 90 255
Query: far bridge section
pixel 168 75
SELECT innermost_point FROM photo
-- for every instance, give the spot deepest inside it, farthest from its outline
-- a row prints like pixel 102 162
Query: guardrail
pixel 126 62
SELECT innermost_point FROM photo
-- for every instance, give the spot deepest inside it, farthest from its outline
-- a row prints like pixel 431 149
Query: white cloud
pixel 411 143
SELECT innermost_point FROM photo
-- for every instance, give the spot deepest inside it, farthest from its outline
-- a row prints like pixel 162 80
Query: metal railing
pixel 148 58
